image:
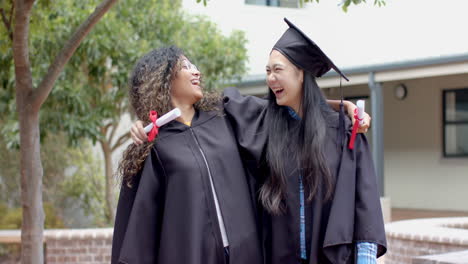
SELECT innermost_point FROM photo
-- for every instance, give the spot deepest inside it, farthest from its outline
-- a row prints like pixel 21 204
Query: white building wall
pixel 416 173
pixel 262 25
pixel 364 35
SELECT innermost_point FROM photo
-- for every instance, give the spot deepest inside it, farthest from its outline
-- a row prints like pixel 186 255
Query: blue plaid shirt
pixel 366 251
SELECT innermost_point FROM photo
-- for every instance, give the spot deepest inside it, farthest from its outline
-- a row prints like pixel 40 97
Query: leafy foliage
pixel 91 92
pixel 346 3
pixel 73 183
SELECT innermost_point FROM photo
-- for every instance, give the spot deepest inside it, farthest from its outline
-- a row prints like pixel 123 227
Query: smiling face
pixel 186 86
pixel 285 80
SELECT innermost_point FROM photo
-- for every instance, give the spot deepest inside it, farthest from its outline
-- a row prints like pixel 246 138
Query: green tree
pixel 90 98
pixel 31 94
pixel 346 3
pixel 72 187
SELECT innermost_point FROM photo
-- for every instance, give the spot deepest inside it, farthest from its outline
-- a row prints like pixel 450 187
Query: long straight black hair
pixel 304 141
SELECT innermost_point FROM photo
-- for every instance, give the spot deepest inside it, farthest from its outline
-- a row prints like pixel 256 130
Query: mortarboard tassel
pixel 341 120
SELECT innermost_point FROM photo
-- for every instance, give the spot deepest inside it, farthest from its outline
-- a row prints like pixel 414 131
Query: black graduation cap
pixel 304 53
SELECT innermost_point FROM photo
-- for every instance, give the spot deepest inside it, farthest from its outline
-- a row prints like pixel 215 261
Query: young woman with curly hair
pixel 185 196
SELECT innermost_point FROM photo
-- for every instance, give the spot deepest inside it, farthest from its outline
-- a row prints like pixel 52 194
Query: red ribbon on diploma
pixel 153 115
pixel 355 128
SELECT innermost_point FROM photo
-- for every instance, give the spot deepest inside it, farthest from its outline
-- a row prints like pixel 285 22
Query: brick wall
pixel 459 257
pixel 409 239
pixel 406 240
pixel 78 246
pixel 85 246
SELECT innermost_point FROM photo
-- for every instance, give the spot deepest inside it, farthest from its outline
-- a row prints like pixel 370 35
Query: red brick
pixel 98 242
pixel 70 259
pixel 51 242
pixel 77 250
pixel 55 251
pixel 104 251
pixel 68 243
pixel 51 259
pixel 108 241
pixel 85 258
pixel 85 242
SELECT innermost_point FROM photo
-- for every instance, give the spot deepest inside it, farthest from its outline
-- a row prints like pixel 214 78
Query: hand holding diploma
pixel 360 111
pixel 168 117
pixel 359 120
pixel 365 119
pixel 139 134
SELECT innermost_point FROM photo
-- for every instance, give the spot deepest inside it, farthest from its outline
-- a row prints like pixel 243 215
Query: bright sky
pixel 402 30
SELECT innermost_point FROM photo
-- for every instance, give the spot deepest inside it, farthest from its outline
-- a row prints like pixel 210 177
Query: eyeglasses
pixel 188 66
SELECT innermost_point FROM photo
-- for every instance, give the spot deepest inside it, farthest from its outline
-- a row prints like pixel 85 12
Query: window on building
pixel 278 3
pixel 455 121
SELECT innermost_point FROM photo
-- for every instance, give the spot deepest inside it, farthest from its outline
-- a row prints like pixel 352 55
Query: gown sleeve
pixel 139 243
pixel 247 115
pixel 369 225
pixel 124 208
pixel 355 212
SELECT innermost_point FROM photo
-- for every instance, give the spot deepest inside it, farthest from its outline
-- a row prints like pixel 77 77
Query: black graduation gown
pixel 332 227
pixel 169 215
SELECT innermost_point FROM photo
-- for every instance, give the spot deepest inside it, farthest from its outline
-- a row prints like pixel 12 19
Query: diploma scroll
pixel 168 117
pixel 361 108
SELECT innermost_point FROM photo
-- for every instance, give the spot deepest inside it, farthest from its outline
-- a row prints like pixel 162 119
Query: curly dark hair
pixel 150 89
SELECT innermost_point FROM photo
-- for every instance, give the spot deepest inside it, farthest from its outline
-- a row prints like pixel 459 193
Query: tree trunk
pixel 31 185
pixel 107 150
pixel 32 249
pixel 110 207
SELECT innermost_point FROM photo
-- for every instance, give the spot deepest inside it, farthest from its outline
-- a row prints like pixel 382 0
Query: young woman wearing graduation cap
pixel 319 196
pixel 185 196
